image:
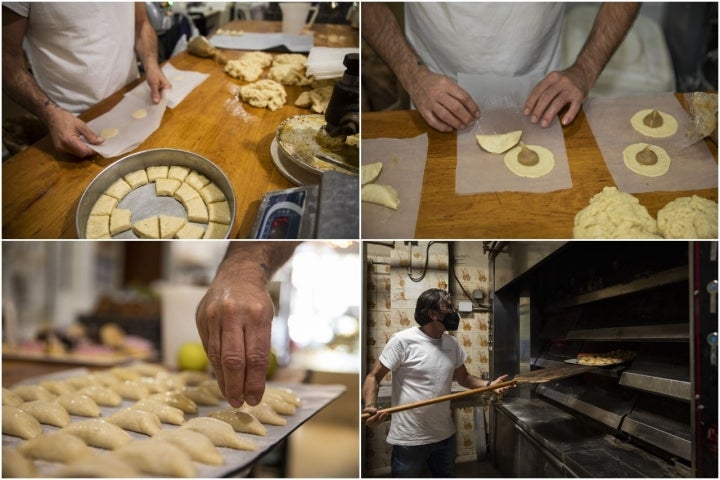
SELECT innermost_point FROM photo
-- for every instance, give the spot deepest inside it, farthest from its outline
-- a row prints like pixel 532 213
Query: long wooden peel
pixel 536 376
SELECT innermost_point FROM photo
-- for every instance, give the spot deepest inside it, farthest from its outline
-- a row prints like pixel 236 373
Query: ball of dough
pixel 689 217
pixel 655 170
pixel 614 214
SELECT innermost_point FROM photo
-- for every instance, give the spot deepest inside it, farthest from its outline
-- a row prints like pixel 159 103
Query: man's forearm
pixel 369 391
pixel 261 259
pixel 609 29
pixel 146 46
pixel 381 30
pixel 21 86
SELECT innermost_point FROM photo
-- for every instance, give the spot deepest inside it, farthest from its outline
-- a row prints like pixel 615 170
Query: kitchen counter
pixel 42 187
pixel 443 214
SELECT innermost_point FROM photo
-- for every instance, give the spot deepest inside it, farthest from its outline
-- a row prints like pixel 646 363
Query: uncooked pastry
pixel 165 413
pixel 211 193
pixel 136 179
pixel 146 228
pixel 264 413
pixel 655 170
pixel 139 113
pixel 166 187
pixel 219 212
pixel 177 400
pixel 47 412
pixel 104 205
pixel 219 433
pixel 279 404
pixel 132 389
pixel 16 465
pixel 18 423
pixel 11 398
pixel 499 143
pixel 136 421
pixel 197 210
pixel 384 195
pixel 190 232
pixel 246 71
pixel 160 171
pixel 286 394
pixel 243 422
pixel 195 444
pixel 316 99
pixel 197 180
pixel 78 404
pixel 689 217
pixel 105 465
pixel 545 164
pixel 109 132
pixel 119 189
pixel 158 457
pixel 614 214
pixel 178 172
pixel 170 225
pixel 370 172
pixel 31 392
pixel 99 433
pixel 98 226
pixel 55 447
pixel 289 74
pixel 668 127
pixel 298 58
pixel 120 221
pixel 185 193
pixel 215 230
pixel 102 395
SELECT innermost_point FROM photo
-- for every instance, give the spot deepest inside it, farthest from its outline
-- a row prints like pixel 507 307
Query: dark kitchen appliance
pixel 655 416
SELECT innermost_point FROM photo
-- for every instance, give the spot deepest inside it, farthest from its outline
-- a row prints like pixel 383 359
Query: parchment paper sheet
pixel 131 131
pixel 183 82
pixel 691 168
pixel 501 103
pixel 403 162
pixel 314 398
pixel 264 41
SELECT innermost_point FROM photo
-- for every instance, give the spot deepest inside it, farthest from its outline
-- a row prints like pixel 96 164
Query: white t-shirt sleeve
pixel 393 354
pixel 21 8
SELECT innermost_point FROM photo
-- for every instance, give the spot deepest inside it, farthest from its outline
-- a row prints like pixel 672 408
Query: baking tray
pixel 142 201
pixel 314 398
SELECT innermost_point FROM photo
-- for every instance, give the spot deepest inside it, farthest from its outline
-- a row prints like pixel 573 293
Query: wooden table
pixel 506 215
pixel 42 187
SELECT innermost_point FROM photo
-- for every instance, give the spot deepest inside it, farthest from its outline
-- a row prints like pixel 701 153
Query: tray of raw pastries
pixel 142 420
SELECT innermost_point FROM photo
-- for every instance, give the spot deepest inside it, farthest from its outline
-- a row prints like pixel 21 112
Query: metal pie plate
pixel 143 202
pixel 298 150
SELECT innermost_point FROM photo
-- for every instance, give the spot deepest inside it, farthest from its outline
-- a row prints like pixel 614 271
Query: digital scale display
pixel 286 214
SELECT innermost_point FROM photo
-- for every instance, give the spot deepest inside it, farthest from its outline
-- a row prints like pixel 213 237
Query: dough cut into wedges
pixel 164 412
pixel 264 413
pixel 241 421
pixel 166 187
pixel 384 195
pixel 120 220
pixel 147 228
pixel 195 444
pixel 370 172
pixel 55 447
pixel 47 412
pixel 499 143
pixel 79 404
pixel 170 225
pixel 158 458
pixel 138 421
pixel 219 433
pixel 102 395
pixel 99 433
pixel 18 423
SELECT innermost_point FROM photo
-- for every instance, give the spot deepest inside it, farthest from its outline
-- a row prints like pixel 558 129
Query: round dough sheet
pixel 656 170
pixel 668 128
pixel 543 167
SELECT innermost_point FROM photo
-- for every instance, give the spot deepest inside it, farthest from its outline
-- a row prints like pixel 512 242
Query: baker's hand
pixel 557 89
pixel 66 131
pixel 444 105
pixel 234 321
pixel 376 416
pixel 158 82
pixel 500 379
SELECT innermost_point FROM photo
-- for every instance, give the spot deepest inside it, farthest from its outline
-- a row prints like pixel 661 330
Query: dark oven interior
pixel 595 298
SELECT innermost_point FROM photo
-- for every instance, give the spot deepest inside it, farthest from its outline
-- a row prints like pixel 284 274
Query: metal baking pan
pixel 236 462
pixel 142 201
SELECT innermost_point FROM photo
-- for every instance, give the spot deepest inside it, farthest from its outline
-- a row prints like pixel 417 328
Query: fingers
pixel 443 104
pixel 552 94
pixel 233 364
pixel 257 350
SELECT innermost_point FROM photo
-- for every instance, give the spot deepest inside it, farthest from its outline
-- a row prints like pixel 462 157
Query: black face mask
pixel 451 321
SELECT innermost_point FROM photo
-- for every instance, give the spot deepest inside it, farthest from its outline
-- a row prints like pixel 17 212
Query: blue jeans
pixel 408 461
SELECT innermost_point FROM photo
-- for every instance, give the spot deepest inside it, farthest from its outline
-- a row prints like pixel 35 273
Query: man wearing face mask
pixel 424 361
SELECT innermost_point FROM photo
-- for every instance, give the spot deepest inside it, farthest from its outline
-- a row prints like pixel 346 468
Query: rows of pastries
pixel 131 421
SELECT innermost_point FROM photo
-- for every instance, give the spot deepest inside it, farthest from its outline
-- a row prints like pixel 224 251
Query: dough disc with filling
pixel 655 170
pixel 544 166
pixel 668 128
pixel 384 195
pixel 139 113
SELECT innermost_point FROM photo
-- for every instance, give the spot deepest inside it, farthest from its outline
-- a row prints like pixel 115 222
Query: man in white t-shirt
pixel 423 361
pixel 79 54
pixel 509 39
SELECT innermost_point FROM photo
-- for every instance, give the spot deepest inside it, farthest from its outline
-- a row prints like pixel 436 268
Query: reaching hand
pixel 500 379
pixel 158 82
pixel 442 103
pixel 66 130
pixel 557 89
pixel 376 416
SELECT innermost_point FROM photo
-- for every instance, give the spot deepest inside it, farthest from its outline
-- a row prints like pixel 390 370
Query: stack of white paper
pixel 326 62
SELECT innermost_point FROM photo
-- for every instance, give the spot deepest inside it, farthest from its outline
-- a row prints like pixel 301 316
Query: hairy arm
pixel 467 380
pixel 146 48
pixel 235 315
pixel 572 85
pixel 369 393
pixel 442 103
pixel 19 84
